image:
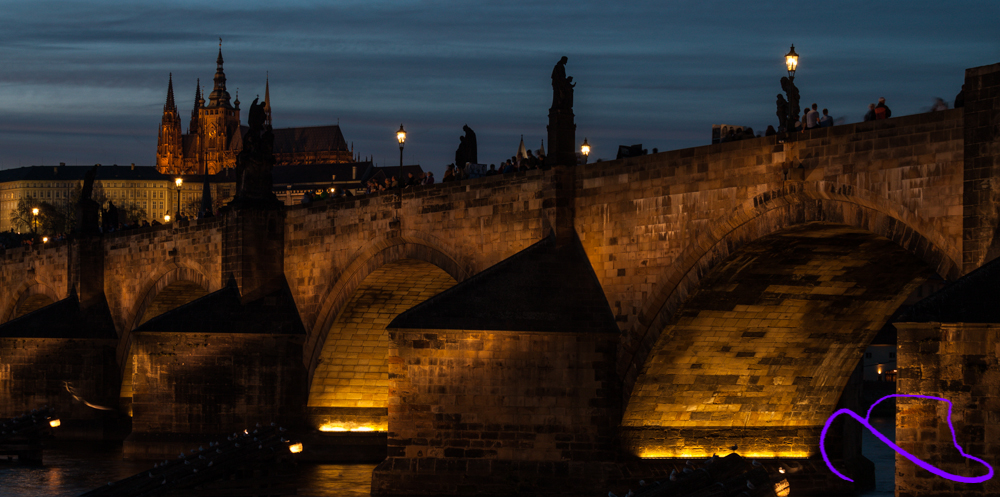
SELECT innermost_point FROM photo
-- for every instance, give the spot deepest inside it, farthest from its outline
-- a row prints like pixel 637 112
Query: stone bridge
pixel 745 278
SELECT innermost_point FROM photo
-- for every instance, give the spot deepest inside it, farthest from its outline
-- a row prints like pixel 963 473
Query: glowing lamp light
pixel 34 211
pixel 778 454
pixel 341 428
pixel 791 62
pixel 401 135
pixel 54 423
pixel 585 148
pixel 45 239
pixel 179 182
pixel 879 369
pixel 782 488
pixel 166 218
pixel 295 448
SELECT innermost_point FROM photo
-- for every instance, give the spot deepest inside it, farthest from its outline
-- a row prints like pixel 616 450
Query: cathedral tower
pixel 219 126
pixel 169 154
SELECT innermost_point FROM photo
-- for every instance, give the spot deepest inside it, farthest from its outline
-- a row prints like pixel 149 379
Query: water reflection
pixel 342 480
pixel 883 457
pixel 75 469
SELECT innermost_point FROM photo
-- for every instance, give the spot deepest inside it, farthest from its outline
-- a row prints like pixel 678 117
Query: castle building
pixel 215 134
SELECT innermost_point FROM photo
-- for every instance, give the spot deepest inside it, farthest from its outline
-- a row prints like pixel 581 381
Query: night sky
pixel 85 82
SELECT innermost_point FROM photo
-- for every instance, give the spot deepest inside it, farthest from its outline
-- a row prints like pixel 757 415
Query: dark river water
pixel 73 470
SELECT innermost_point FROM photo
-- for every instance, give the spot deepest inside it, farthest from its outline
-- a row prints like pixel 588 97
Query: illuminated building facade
pixel 140 188
pixel 215 134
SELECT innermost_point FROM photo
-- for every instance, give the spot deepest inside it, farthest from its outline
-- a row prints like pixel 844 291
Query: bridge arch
pixel 348 370
pixel 652 354
pixel 188 281
pixel 30 296
pixel 371 257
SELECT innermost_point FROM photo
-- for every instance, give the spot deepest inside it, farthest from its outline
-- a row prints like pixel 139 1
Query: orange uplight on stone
pixel 334 427
pixel 652 454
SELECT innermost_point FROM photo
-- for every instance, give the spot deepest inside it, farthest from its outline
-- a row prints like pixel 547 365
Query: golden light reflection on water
pixel 342 480
pixel 72 471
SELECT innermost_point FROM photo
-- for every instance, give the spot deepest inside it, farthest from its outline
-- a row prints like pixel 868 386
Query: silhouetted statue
pixel 87 209
pixel 109 217
pixel 561 128
pixel 793 102
pixel 467 150
pixel 562 87
pixel 782 112
pixel 255 162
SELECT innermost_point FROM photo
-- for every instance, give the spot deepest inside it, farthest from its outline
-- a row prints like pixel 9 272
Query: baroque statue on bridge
pixel 467 151
pixel 561 128
pixel 782 113
pixel 255 162
pixel 793 102
pixel 562 87
pixel 87 209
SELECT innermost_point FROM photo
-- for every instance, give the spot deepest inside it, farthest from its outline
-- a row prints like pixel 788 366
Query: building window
pixel 892 355
pixel 868 355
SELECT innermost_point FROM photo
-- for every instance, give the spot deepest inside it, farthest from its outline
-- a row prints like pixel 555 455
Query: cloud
pixel 648 72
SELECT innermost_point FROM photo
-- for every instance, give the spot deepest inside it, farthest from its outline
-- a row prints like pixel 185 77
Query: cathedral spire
pixel 198 103
pixel 267 99
pixel 170 106
pixel 219 96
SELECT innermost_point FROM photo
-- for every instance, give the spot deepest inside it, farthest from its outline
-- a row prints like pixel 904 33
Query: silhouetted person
pixel 782 111
pixel 770 131
pixel 870 115
pixel 882 110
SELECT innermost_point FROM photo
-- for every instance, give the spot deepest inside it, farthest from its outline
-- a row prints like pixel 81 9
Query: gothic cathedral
pixel 215 135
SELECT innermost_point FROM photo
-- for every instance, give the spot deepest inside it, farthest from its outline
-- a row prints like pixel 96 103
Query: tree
pixel 51 220
pixel 131 212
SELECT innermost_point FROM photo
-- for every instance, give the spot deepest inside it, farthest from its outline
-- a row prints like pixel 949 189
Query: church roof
pixel 71 173
pixel 224 311
pixel 319 173
pixel 309 139
pixel 64 319
pixel 545 287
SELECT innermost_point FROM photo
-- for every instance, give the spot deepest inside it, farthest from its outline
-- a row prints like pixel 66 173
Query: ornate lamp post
pixel 166 218
pixel 789 108
pixel 401 138
pixel 34 220
pixel 791 62
pixel 585 150
pixel 178 182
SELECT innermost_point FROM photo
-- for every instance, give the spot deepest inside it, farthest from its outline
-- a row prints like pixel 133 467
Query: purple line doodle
pixel 916 460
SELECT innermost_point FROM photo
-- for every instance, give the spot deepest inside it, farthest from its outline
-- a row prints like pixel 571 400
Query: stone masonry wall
pixel 760 355
pixel 652 226
pixel 350 387
pixel 461 227
pixel 136 260
pixel 981 242
pixel 959 362
pixel 27 271
pixel 484 408
pixel 33 372
pixel 211 384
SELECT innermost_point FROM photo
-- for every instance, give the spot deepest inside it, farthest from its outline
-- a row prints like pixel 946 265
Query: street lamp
pixel 166 218
pixel 401 137
pixel 178 182
pixel 585 150
pixel 791 62
pixel 34 220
